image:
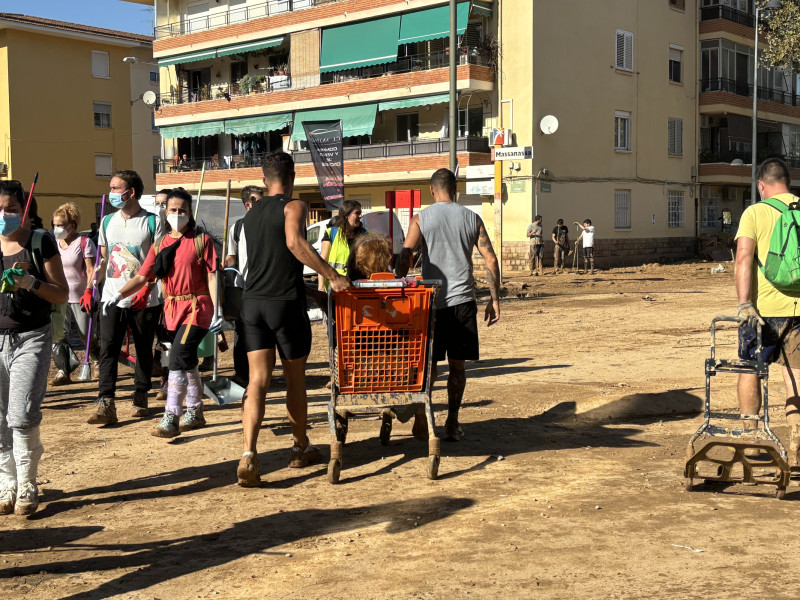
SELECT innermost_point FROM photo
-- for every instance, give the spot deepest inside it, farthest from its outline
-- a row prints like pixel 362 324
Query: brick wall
pixel 608 253
pixel 206 110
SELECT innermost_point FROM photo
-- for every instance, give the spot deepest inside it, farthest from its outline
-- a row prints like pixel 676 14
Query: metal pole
pixel 453 126
pixel 533 112
pixel 755 117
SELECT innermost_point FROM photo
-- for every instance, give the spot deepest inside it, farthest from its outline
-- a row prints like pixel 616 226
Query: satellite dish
pixel 149 97
pixel 548 124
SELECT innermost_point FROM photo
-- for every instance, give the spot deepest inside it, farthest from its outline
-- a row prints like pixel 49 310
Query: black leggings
pixel 183 356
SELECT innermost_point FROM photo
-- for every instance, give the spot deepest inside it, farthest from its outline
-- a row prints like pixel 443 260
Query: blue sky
pixel 111 14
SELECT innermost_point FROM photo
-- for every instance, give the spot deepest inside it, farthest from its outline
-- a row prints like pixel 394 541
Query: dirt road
pixel 568 483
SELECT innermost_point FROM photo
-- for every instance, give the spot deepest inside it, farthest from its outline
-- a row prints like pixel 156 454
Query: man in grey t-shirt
pixel 448 232
pixel 534 234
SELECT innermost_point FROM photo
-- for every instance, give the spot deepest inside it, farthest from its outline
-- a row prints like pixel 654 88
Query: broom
pixel 85 372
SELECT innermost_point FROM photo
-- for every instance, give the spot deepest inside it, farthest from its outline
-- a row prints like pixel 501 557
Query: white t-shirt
pixel 588 237
pixel 127 243
pixel 239 250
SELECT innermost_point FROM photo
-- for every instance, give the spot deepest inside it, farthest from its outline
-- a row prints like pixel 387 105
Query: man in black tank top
pixel 274 311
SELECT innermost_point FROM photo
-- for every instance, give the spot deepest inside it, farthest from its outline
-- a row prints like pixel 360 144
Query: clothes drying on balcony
pixel 412 102
pixel 356 120
pixel 240 48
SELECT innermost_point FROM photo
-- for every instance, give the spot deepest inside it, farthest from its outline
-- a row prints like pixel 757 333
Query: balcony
pixel 728 156
pixel 244 14
pixel 184 94
pixel 418 147
pixel 741 88
pixel 719 11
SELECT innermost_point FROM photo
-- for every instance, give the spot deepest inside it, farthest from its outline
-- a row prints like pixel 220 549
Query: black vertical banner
pixel 325 142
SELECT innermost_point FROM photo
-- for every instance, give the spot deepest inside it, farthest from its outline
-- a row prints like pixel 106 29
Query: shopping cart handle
pixel 731 319
pixel 408 282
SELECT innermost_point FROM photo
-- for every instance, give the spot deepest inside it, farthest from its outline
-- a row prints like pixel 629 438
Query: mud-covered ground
pixel 569 482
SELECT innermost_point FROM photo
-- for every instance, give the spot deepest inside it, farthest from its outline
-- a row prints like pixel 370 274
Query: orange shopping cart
pixel 380 335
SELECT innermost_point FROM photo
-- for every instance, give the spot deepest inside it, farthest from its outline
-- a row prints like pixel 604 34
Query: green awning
pixel 249 46
pixel 412 102
pixel 193 130
pixel 432 24
pixel 359 45
pixel 187 58
pixel 257 124
pixel 356 120
pixel 482 7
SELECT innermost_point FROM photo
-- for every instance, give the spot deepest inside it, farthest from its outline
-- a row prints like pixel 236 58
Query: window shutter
pixel 102 165
pixel 628 51
pixel 620 61
pixel 679 137
pixel 674 136
pixel 99 64
pixel 622 209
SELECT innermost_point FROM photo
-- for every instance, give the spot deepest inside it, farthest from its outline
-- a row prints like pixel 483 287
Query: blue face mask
pixel 9 223
pixel 116 200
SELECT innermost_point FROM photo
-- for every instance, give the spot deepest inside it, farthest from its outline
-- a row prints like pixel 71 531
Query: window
pixel 675 63
pixel 679 4
pixel 407 127
pixel 675 209
pixel 794 139
pixel 102 114
pixel 102 165
pixel 710 209
pixel 156 162
pixel 622 131
pixel 365 200
pixel 674 136
pixel 470 121
pixel 153 126
pixel 622 209
pixel 624 50
pixel 154 77
pixel 100 64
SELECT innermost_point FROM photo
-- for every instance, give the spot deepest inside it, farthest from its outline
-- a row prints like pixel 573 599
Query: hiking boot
pixel 27 499
pixel 105 412
pixel 161 396
pixel 8 496
pixel 452 431
pixel 247 472
pixel 303 457
pixel 61 378
pixel 140 404
pixel 193 419
pixel 168 427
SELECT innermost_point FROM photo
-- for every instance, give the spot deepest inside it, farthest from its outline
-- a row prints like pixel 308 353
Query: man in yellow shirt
pixel 759 301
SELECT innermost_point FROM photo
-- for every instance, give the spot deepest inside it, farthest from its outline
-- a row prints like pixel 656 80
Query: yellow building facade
pixel 69 110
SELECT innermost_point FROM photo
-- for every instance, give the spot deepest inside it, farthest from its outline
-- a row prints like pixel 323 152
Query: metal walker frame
pixel 739 438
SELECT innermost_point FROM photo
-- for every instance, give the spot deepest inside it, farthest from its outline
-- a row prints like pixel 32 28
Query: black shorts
pixel 281 323
pixel 780 341
pixel 456 332
pixel 588 252
pixel 183 355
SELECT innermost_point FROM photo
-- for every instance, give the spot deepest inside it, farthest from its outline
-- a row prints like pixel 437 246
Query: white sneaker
pixel 27 499
pixel 8 496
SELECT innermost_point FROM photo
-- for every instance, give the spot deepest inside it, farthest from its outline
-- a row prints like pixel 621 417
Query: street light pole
pixel 453 125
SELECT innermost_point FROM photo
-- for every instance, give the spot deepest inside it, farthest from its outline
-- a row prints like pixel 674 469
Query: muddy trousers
pixel 24 361
pixel 184 381
pixel 537 253
pixel 559 257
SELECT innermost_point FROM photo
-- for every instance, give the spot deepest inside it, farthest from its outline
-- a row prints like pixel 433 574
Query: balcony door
pixel 742 74
pixel 407 127
pixel 199 84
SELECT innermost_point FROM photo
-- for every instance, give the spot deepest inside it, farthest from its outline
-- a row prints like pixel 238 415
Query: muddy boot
pixel 8 472
pixel 105 412
pixel 140 405
pixel 247 472
pixel 192 419
pixel 28 450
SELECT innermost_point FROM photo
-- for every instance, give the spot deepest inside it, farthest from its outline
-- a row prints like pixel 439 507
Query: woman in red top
pixel 186 262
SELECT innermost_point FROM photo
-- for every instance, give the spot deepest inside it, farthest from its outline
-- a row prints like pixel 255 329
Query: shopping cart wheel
pixel 334 470
pixel 687 484
pixel 781 493
pixel 341 428
pixel 433 467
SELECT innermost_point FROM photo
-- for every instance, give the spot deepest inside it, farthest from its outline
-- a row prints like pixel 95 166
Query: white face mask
pixel 177 222
pixel 60 233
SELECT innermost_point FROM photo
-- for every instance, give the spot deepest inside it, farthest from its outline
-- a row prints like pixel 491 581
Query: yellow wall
pixel 5 122
pixel 52 121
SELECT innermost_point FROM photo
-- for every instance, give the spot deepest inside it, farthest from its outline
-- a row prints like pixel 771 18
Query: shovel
pixel 221 389
pixel 85 374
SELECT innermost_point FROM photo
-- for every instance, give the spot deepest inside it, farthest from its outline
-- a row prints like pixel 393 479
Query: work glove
pixel 749 314
pixel 87 301
pixel 23 280
pixel 139 299
pixel 113 301
pixel 217 323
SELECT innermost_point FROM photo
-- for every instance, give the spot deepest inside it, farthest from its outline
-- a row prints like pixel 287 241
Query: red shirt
pixel 187 276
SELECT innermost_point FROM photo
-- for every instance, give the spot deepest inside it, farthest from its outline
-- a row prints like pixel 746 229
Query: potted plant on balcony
pixel 246 84
pixel 489 52
pixel 261 83
pixel 283 68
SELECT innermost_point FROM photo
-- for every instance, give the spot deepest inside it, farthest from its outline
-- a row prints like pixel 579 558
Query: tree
pixel 782 34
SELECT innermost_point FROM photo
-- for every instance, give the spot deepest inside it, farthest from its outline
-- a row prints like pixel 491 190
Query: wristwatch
pixel 36 285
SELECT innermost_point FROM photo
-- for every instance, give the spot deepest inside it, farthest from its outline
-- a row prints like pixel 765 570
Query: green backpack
pixel 782 267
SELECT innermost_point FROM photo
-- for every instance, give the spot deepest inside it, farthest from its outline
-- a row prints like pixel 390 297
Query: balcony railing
pixel 719 11
pixel 467 55
pixel 219 19
pixel 728 156
pixel 741 88
pixel 219 91
pixel 362 152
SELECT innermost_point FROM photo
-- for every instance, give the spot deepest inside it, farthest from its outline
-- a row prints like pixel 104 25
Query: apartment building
pixel 71 109
pixel 727 36
pixel 239 78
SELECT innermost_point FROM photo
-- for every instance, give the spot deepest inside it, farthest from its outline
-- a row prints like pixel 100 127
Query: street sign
pixel 544 186
pixel 518 186
pixel 480 171
pixel 513 153
pixel 483 187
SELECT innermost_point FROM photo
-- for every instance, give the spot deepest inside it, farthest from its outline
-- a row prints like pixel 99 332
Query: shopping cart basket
pixel 380 335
